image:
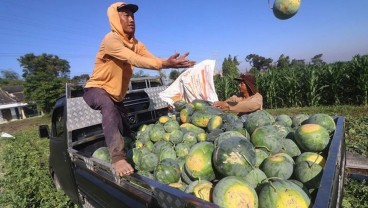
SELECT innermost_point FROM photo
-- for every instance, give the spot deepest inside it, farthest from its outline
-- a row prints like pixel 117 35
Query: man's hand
pixel 122 167
pixel 177 61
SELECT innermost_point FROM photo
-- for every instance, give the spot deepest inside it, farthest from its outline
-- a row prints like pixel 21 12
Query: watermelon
pixel 308 173
pixel 229 126
pixel 214 123
pixel 229 117
pixel 282 193
pixel 211 137
pixel 200 119
pixel 166 137
pixel 260 156
pixel 198 162
pixel 283 130
pixel 185 114
pixel 255 177
pixel 182 149
pixel 201 137
pixel 290 148
pixel 103 154
pixel 148 145
pixel 185 177
pixel 167 171
pixel 200 105
pixel 179 105
pixel 176 136
pixel 298 119
pixel 185 127
pixel 157 132
pixel 312 137
pixel 312 157
pixel 268 138
pixel 190 138
pixel 213 111
pixel 234 156
pixel 159 145
pixel 181 162
pixel 301 185
pixel 322 119
pixel 143 136
pixel 201 189
pixel 163 119
pixel 226 135
pixel 285 9
pixel 171 125
pixel 167 152
pixel 284 120
pixel 258 119
pixel 137 155
pixel 279 165
pixel 233 191
pixel 148 162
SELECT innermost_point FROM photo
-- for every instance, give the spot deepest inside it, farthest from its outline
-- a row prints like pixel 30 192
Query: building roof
pixel 13 89
pixel 11 94
pixel 5 98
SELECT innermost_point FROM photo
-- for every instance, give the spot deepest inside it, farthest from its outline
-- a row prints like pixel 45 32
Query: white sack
pixel 194 83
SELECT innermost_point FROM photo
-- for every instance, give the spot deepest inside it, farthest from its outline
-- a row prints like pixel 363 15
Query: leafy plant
pixel 355 194
pixel 26 181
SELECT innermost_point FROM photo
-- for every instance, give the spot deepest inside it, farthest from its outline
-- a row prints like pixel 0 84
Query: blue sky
pixel 212 29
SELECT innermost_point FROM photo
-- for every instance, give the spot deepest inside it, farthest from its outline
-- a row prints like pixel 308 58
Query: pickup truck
pixel 76 133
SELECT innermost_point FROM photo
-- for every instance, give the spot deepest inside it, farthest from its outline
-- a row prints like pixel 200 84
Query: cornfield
pixel 339 83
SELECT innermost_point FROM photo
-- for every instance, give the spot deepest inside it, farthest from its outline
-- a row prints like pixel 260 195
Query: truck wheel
pixel 55 179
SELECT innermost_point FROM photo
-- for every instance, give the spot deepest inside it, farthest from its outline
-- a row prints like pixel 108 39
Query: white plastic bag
pixel 194 83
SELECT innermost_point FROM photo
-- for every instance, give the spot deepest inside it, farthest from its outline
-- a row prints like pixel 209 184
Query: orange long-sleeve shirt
pixel 117 57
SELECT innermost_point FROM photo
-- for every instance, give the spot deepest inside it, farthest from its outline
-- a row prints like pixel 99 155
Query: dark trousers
pixel 114 120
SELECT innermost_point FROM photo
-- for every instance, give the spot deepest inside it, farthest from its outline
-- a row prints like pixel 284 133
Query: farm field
pixel 23 160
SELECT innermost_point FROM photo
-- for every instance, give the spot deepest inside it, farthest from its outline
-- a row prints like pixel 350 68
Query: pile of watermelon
pixel 255 160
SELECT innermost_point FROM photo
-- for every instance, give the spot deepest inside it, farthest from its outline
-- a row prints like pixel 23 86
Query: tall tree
pixel 297 62
pixel 80 78
pixel 230 67
pixel 283 62
pixel 317 60
pixel 139 73
pixel 45 77
pixel 9 74
pixel 259 62
pixel 174 74
pixel 9 78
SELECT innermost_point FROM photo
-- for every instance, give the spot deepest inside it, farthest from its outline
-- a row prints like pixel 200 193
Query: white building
pixel 12 106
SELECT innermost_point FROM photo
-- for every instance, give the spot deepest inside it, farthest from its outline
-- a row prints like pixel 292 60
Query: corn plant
pixel 360 66
pixel 225 86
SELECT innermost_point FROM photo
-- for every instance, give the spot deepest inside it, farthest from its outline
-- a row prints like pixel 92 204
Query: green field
pixel 24 180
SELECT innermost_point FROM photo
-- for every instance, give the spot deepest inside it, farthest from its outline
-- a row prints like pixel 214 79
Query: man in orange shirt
pixel 249 100
pixel 119 53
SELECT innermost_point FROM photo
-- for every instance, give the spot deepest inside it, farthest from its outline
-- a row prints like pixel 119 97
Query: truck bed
pixel 143 192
